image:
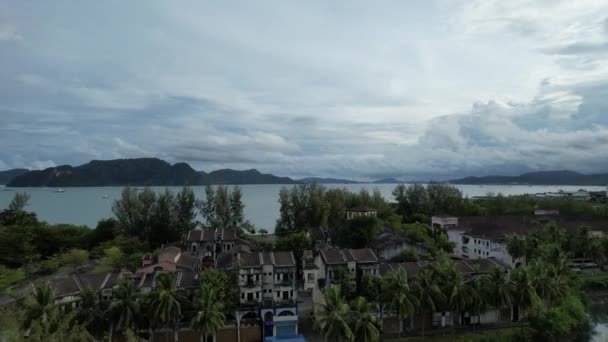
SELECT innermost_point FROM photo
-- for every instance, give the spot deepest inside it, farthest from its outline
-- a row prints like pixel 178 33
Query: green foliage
pixel 296 242
pixel 10 276
pixel 417 202
pixel 334 317
pixel 209 316
pixel 75 257
pixel 113 260
pixel 554 323
pixel 227 293
pixel 19 201
pixel 312 205
pixel 410 254
pixel 358 232
pixel 222 207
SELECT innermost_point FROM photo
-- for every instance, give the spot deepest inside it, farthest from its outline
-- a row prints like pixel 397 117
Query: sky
pixel 354 89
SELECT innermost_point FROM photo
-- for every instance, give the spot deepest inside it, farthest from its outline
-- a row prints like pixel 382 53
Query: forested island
pixel 540 178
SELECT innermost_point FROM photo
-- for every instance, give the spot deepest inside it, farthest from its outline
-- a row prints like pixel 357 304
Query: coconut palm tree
pixel 364 324
pixel 429 292
pixel 399 295
pixel 165 303
pixel 476 302
pixel 124 308
pixel 457 292
pixel 333 317
pixel 498 290
pixel 89 313
pixel 39 304
pixel 524 285
pixel 209 317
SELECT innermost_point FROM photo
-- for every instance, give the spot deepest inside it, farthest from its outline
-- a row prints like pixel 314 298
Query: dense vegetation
pixel 162 311
pixel 545 290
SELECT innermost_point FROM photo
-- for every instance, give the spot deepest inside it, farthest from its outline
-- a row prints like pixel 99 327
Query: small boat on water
pixel 105 196
pixel 59 190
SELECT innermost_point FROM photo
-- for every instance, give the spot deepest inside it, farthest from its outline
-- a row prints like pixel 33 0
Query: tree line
pixel 164 310
pixel 544 292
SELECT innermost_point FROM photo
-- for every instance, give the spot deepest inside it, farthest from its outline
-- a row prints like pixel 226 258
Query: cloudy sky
pixel 410 89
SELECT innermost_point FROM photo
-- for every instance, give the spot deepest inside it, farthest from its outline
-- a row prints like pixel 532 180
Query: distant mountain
pixel 229 176
pixel 8 175
pixel 387 181
pixel 141 171
pixel 540 178
pixel 320 180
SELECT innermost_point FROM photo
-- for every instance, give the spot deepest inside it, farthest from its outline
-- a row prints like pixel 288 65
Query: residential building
pixel 268 292
pixel 332 262
pixel 360 211
pixel 169 259
pixel 208 243
pixel 389 245
pixel 428 320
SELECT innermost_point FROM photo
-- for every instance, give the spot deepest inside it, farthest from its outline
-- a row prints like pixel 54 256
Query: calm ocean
pixel 85 206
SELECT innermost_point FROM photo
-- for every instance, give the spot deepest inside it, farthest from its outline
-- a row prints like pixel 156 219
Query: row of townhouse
pixel 481 237
pixel 440 318
pixel 267 282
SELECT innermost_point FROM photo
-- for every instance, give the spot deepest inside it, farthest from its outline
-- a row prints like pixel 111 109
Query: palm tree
pixel 209 317
pixel 498 289
pixel 399 295
pixel 124 308
pixel 40 304
pixel 516 246
pixel 524 294
pixel 89 313
pixel 476 302
pixel 333 316
pixel 429 293
pixel 458 293
pixel 165 303
pixel 364 324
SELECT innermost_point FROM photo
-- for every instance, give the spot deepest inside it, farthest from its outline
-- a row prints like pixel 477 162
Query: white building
pixel 479 238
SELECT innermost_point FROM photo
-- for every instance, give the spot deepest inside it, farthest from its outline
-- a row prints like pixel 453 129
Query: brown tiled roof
pixel 92 280
pixel 195 235
pixel 284 259
pixel 498 227
pixel 209 235
pixel 64 286
pixel 364 255
pixel 229 234
pixel 333 256
pixel 187 261
pixel 250 259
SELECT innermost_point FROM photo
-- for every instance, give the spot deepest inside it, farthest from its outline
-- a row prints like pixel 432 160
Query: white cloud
pixel 421 89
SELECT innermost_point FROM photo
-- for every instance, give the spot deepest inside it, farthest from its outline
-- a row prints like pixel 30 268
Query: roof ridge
pixel 105 280
pixel 77 281
pixel 293 258
pixel 178 279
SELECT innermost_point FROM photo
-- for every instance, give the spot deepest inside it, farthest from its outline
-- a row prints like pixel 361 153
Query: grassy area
pixel 480 335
